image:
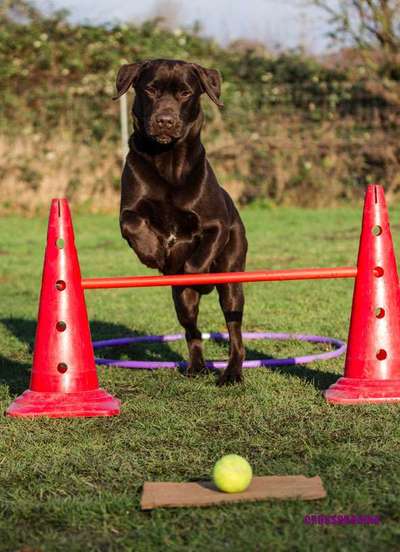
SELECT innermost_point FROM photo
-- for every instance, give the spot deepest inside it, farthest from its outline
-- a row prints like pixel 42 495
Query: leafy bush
pixel 282 113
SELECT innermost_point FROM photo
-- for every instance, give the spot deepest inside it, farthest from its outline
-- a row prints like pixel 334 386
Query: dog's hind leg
pixel 231 299
pixel 186 302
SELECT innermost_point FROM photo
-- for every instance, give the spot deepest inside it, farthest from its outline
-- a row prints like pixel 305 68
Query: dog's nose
pixel 164 120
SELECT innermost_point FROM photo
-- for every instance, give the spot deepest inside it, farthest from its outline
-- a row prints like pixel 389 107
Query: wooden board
pixel 158 494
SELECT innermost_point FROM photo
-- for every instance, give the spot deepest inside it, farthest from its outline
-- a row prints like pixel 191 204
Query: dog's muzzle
pixel 165 127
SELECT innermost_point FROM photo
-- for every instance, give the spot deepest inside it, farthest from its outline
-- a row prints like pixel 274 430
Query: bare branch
pixel 373 23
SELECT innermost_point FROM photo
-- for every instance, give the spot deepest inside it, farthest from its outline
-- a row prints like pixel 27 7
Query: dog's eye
pixel 185 93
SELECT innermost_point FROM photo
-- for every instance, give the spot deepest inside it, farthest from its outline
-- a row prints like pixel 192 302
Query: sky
pixel 276 23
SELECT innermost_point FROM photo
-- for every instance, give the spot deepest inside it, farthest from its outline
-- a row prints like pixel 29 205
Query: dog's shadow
pixel 162 351
pixel 320 379
pixel 15 374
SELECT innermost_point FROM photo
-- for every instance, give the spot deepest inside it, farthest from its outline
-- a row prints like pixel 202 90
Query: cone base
pixel 362 391
pixel 64 405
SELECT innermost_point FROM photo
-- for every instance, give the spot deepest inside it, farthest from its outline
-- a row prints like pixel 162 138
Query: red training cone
pixel 372 369
pixel 64 378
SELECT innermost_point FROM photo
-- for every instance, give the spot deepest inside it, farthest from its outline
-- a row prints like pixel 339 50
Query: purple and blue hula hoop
pixel 340 348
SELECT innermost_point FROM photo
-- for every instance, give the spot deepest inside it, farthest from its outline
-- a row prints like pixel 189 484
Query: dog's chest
pixel 171 223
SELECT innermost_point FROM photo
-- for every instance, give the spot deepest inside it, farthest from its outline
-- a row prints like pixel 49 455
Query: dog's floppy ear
pixel 210 81
pixel 126 77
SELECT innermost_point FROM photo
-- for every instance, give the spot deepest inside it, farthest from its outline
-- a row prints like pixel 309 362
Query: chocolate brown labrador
pixel 173 213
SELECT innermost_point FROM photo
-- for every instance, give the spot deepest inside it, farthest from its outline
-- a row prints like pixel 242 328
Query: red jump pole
pixel 220 278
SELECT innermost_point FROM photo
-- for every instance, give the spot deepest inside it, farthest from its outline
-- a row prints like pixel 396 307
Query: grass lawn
pixel 75 484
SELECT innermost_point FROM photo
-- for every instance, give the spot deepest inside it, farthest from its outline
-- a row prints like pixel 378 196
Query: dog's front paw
pixel 230 377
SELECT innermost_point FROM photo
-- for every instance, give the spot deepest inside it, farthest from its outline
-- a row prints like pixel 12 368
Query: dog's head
pixel 167 101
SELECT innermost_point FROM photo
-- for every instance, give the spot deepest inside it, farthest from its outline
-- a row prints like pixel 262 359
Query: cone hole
pixel 62 367
pixel 378 271
pixel 377 230
pixel 381 354
pixel 379 312
pixel 60 243
pixel 60 285
pixel 61 326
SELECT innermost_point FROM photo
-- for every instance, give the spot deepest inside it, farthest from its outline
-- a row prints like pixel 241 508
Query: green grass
pixel 75 484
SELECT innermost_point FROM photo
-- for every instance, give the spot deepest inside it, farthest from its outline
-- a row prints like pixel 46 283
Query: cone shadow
pixel 137 351
pixel 14 374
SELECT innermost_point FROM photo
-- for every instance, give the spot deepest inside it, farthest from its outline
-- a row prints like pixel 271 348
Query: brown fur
pixel 174 214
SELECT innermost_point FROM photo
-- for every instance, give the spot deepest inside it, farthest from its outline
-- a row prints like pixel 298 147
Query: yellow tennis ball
pixel 232 474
